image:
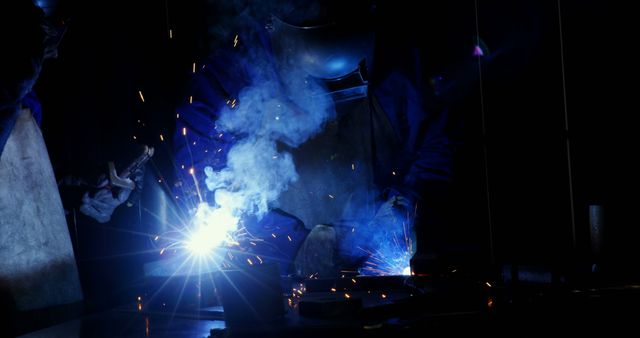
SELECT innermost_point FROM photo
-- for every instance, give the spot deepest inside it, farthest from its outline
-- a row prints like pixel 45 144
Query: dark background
pixel 114 49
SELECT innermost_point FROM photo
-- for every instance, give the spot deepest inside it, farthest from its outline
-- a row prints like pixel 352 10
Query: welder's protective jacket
pixel 391 142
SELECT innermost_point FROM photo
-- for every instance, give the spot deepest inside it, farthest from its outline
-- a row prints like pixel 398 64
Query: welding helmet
pixel 329 40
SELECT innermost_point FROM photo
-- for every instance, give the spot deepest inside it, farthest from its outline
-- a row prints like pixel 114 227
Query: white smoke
pixel 285 107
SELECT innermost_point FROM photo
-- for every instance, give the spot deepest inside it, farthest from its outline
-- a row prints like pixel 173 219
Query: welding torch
pixel 113 179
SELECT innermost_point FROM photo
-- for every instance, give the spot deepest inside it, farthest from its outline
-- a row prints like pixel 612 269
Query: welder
pixel 384 152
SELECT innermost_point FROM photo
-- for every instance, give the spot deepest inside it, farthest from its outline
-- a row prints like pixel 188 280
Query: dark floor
pixel 387 307
pixel 128 324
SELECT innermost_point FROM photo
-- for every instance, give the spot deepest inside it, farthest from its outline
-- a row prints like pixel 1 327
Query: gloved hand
pixel 393 212
pixel 138 178
pixel 101 205
pixel 316 255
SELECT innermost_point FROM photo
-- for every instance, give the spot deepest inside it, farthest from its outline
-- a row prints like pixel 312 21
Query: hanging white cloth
pixel 37 264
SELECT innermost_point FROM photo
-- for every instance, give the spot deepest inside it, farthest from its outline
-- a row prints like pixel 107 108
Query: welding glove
pixel 393 212
pixel 138 178
pixel 392 222
pixel 101 204
pixel 316 255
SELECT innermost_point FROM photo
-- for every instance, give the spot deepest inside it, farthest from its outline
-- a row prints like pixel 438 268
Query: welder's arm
pixel 438 134
pixel 422 124
pixel 433 159
pixel 197 143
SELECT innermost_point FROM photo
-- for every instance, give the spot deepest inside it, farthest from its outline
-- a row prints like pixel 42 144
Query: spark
pixel 184 131
pixel 258 257
pixel 134 137
pixel 333 289
pixel 273 235
pixel 331 196
pixel 235 41
pixel 191 171
pixel 139 298
pixel 182 167
pixel 383 296
pixel 177 115
pixel 190 99
pixel 488 284
pixel 162 251
pixel 193 70
pixel 233 103
pixel 353 280
pixel 141 97
pixel 353 166
pixel 170 33
pixel 277 118
pixel 392 258
pixel 249 261
pixel 393 173
pixel 347 296
pixel 161 138
pixel 139 307
pixel 156 238
pixel 289 238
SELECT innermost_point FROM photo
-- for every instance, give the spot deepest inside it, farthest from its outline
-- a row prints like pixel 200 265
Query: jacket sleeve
pixel 424 130
pixel 197 142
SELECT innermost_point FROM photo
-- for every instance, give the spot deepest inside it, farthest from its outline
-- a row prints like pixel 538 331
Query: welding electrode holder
pixel 123 180
pixel 130 178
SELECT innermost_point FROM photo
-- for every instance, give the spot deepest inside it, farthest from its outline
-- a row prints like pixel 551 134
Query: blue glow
pixel 212 227
pixel 392 255
pixel 337 64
